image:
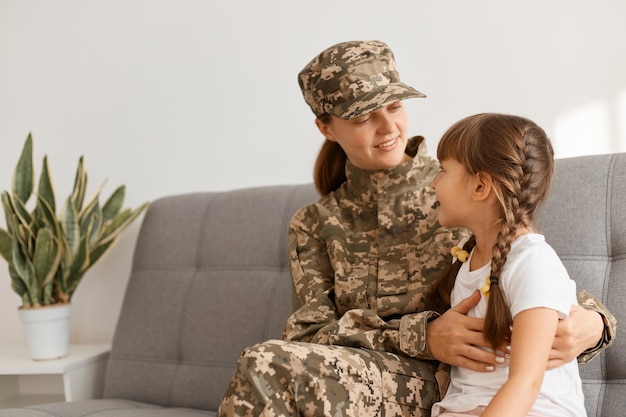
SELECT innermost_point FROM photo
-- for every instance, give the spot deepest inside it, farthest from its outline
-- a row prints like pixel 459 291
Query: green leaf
pixel 21 235
pixel 94 226
pixel 46 293
pixel 91 225
pixel 100 249
pixel 46 190
pixel 47 216
pixel 60 281
pixel 73 284
pixel 19 287
pixel 46 258
pixel 7 206
pixel 80 186
pixel 23 176
pixel 91 216
pixel 25 270
pixel 115 227
pixel 22 214
pixel 6 244
pixel 114 204
pixel 80 263
pixel 69 224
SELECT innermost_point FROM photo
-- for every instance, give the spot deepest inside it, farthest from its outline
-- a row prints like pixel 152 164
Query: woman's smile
pixel 388 144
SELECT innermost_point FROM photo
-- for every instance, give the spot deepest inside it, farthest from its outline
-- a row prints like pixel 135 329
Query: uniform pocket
pixel 409 386
pixel 351 266
pixel 393 271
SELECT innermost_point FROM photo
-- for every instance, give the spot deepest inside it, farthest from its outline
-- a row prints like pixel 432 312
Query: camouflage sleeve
pixel 413 330
pixel 590 302
pixel 317 319
pixel 317 322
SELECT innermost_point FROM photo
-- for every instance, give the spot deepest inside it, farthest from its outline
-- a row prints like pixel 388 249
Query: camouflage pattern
pixel 591 302
pixel 307 379
pixel 352 79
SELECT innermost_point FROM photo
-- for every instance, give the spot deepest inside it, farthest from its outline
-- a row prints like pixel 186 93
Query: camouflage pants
pixel 279 378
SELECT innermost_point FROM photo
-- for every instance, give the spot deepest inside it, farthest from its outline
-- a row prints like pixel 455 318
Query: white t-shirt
pixel 532 276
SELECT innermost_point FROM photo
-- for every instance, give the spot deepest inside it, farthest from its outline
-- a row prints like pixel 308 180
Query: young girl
pixel 495 171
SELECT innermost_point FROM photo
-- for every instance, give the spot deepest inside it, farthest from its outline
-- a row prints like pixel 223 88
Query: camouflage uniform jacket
pixel 364 256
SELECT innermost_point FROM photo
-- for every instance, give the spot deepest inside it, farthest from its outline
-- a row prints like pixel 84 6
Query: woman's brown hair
pixel 329 171
pixel 519 157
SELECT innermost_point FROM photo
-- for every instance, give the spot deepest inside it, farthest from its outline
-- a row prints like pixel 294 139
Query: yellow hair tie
pixel 486 289
pixel 459 253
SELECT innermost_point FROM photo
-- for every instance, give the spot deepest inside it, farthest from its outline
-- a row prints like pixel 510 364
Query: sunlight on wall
pixel 583 131
pixel 595 128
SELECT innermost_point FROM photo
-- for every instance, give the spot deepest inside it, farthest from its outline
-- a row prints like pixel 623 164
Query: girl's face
pixel 372 142
pixel 453 187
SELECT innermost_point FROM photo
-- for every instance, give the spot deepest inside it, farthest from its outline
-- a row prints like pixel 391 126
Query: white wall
pixel 188 95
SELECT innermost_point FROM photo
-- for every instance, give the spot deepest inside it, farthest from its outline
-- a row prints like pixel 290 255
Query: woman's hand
pixel 582 330
pixel 455 339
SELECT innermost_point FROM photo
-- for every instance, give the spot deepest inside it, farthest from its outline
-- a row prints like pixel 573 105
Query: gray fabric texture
pixel 210 277
pixel 584 220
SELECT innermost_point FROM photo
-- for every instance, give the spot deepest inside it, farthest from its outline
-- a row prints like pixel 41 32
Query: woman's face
pixel 373 142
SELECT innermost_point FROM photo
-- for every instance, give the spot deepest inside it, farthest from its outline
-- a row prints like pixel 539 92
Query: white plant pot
pixel 47 330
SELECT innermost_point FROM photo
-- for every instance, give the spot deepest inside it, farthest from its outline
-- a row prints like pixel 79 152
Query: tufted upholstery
pixel 210 277
pixel 585 221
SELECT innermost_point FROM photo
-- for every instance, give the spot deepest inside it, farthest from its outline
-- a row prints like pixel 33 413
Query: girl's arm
pixel 531 342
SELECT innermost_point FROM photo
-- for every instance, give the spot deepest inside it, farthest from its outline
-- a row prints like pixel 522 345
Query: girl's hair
pixel 330 166
pixel 519 157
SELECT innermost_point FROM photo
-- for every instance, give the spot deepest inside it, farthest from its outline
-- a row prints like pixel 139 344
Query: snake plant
pixel 49 255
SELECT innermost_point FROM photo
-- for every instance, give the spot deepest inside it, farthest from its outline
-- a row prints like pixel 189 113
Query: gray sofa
pixel 210 276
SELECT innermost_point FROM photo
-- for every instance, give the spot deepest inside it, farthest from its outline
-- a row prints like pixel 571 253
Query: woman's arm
pixel 318 319
pixel 531 342
pixel 587 331
pixel 313 282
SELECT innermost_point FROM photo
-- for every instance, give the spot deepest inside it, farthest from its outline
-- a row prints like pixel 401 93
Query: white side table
pixel 78 376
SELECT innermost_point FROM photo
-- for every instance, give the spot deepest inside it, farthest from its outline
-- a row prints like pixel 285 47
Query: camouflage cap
pixel 352 79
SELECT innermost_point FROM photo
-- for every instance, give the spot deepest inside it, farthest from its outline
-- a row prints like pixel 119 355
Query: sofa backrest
pixel 585 221
pixel 210 276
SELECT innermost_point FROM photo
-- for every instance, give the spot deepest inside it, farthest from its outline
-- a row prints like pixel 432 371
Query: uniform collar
pixel 368 185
